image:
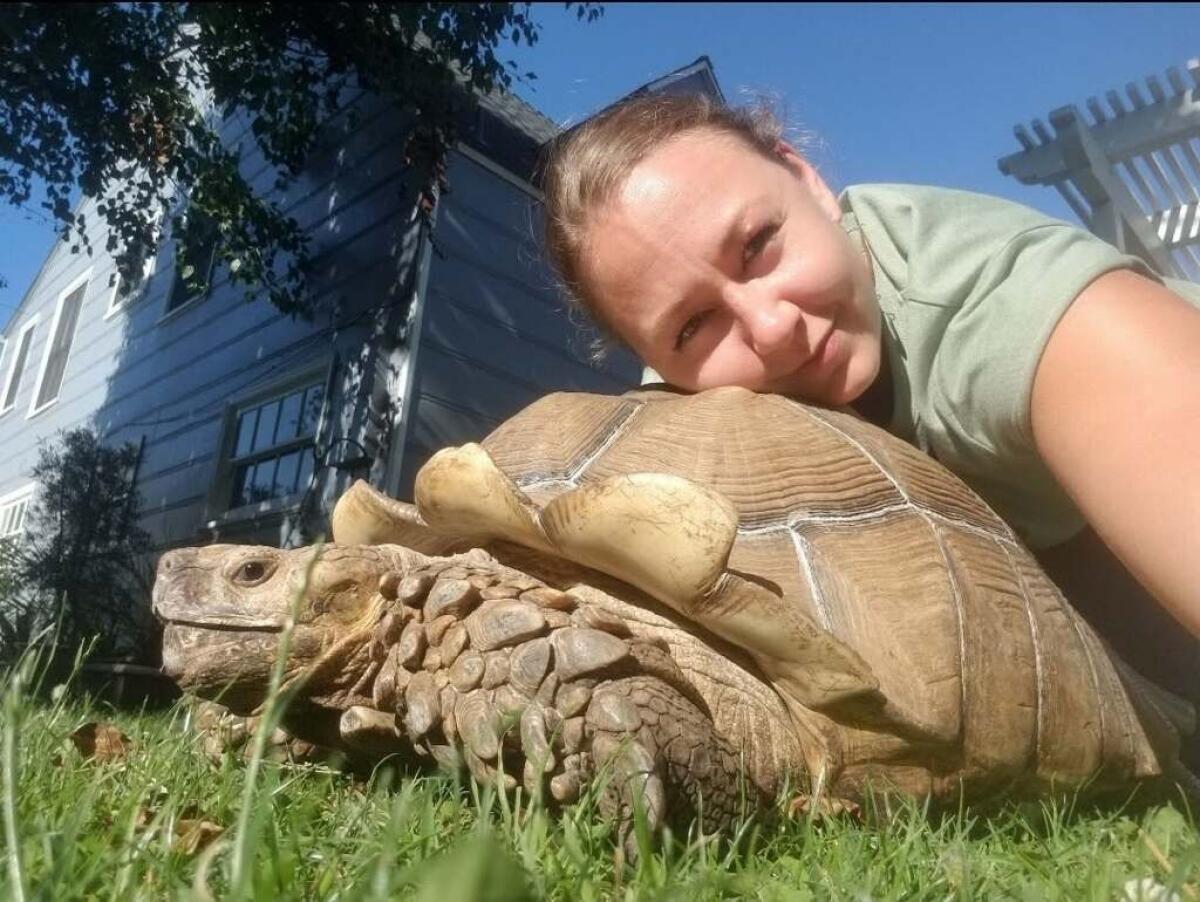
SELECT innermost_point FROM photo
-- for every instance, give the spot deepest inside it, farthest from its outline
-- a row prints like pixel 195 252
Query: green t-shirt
pixel 971 287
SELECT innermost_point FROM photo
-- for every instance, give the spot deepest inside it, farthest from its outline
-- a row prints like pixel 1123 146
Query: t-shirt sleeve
pixel 1004 274
pixel 997 277
pixel 982 378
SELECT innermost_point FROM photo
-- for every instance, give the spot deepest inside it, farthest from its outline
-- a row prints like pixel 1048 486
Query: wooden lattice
pixel 1129 168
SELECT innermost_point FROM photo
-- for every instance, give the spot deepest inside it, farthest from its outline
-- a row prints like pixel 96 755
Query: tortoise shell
pixel 886 550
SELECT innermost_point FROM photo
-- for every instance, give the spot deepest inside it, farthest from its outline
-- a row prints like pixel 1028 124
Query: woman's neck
pixel 876 403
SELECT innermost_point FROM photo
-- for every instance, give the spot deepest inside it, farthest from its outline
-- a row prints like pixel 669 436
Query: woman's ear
pixel 808 175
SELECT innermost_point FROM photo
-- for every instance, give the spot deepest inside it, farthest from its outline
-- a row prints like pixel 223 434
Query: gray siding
pixel 168 379
pixel 494 336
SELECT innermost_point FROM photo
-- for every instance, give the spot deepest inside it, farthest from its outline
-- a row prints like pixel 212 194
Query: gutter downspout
pixel 399 437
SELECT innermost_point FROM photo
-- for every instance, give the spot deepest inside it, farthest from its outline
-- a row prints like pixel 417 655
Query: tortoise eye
pixel 252 573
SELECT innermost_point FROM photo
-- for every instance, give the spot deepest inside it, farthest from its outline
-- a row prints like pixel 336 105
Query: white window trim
pixel 149 267
pixel 15 497
pixel 186 305
pixel 170 314
pixel 12 364
pixel 84 279
pixel 218 513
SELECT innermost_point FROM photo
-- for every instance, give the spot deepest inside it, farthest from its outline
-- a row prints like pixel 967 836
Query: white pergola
pixel 1130 168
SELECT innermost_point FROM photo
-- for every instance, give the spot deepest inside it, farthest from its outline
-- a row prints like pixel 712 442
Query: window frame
pixel 116 303
pixel 12 363
pixel 219 510
pixel 11 499
pixel 83 280
pixel 170 312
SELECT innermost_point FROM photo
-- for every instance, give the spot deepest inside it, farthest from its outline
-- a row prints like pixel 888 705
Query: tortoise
pixel 733 582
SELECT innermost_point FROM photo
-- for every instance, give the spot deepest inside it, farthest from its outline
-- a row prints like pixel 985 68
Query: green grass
pixel 77 829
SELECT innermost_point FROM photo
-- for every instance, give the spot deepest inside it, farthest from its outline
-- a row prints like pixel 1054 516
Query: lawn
pixel 155 819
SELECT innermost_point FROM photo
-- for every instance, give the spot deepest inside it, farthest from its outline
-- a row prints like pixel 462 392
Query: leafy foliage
pixel 125 101
pixel 18 615
pixel 84 553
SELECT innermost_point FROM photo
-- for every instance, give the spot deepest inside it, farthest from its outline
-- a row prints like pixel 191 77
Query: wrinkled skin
pixel 225 607
pixel 468 662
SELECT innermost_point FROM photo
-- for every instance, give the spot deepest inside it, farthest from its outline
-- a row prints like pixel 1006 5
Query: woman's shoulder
pixel 947 247
pixel 933 217
pixel 977 286
pixel 902 194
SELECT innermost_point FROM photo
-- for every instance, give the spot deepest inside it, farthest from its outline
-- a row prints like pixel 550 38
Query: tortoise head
pixel 225 606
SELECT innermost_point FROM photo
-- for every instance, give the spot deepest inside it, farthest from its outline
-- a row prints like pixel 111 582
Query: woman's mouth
pixel 821 352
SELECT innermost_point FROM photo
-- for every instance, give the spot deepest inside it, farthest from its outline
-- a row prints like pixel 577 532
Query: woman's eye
pixel 758 241
pixel 689 329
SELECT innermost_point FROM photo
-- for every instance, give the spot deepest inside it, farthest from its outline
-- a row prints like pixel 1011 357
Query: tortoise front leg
pixel 525 684
pixel 222 732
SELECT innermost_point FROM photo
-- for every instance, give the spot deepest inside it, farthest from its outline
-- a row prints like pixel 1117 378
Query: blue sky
pixel 888 93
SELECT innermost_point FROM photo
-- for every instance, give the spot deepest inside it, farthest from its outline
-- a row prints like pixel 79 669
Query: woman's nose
pixel 768 320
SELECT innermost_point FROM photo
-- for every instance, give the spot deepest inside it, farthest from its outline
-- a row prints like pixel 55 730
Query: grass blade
pixel 272 709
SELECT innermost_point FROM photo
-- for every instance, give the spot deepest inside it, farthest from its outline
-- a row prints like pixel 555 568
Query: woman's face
pixel 721 267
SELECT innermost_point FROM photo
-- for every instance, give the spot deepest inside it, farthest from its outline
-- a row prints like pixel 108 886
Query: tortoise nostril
pixel 178 558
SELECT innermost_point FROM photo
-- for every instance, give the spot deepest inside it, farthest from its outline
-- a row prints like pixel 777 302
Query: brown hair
pixel 585 166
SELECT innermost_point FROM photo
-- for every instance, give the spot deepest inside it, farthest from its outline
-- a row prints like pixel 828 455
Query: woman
pixel 1055 375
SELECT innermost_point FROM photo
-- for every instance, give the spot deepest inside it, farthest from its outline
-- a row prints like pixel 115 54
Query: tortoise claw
pixel 565 787
pixel 485 774
pixel 368 730
pixel 534 742
pixel 635 787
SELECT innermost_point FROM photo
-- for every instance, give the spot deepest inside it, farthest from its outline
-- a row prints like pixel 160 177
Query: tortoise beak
pixel 232 667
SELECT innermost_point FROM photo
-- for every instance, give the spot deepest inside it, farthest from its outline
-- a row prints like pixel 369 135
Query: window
pixel 14 509
pixel 273 445
pixel 200 264
pixel 54 363
pixel 124 292
pixel 17 367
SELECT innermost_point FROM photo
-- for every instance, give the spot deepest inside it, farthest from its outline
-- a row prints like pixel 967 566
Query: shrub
pixel 83 556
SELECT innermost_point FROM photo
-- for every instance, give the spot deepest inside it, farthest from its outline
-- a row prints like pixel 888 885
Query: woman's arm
pixel 1116 417
pixel 1121 611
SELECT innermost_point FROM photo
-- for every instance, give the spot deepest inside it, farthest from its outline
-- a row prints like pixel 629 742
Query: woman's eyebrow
pixel 730 240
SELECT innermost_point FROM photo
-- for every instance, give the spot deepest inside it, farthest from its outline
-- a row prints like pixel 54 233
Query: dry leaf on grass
pixel 191 833
pixel 193 836
pixel 101 742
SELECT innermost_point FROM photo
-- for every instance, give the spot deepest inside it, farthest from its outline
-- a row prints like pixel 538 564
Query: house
pixel 250 422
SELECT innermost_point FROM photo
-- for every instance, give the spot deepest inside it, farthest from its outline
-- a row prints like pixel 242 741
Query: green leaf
pixel 1168 828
